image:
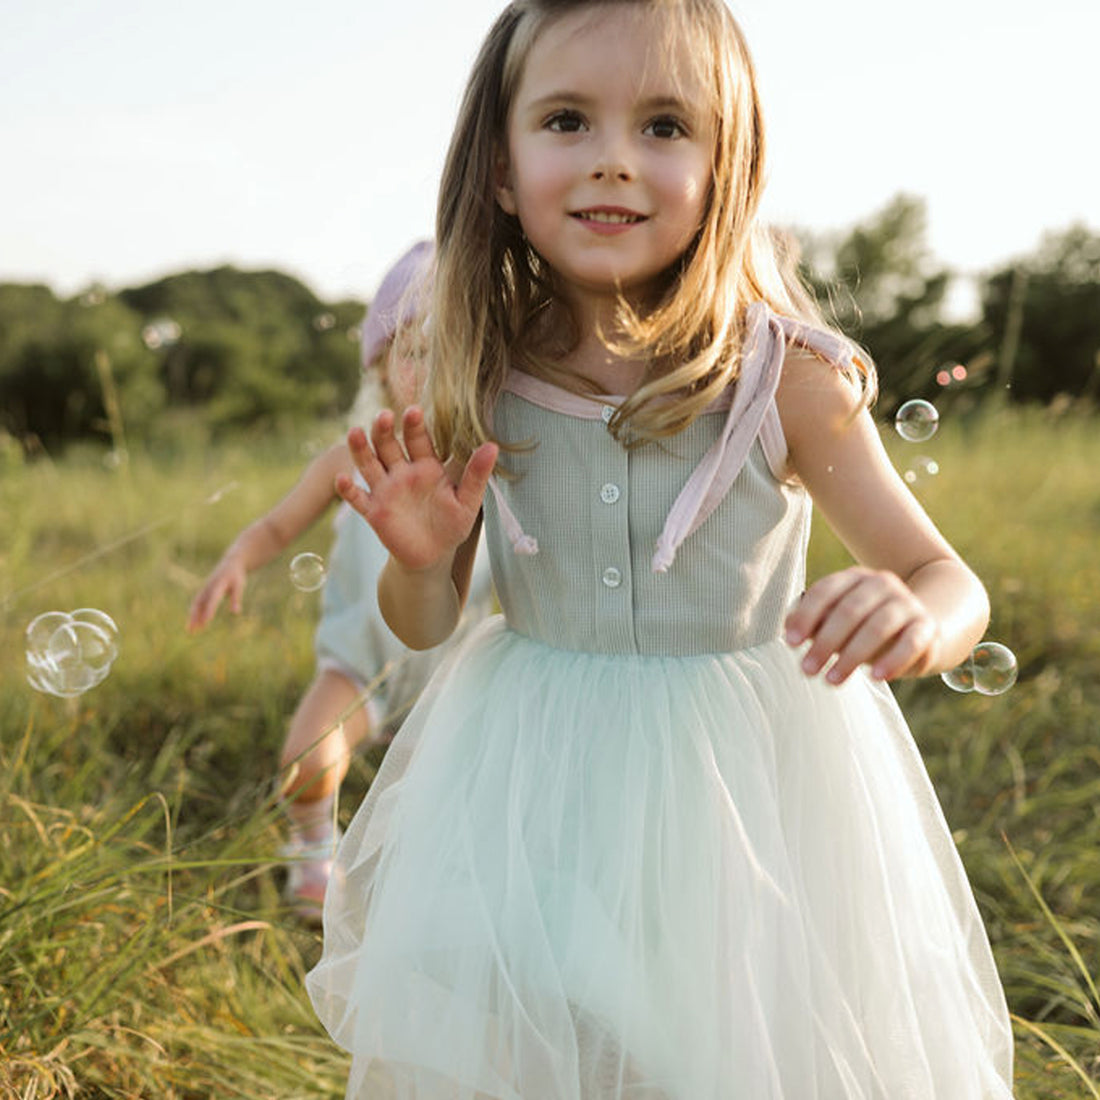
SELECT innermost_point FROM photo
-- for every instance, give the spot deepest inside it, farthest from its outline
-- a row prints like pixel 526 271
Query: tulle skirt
pixel 590 877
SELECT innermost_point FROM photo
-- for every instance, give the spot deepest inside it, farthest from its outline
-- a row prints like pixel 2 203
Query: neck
pixel 591 358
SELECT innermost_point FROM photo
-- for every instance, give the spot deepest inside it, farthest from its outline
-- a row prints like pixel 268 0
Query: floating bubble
pixel 162 332
pixel 995 668
pixel 68 652
pixel 922 468
pixel 958 372
pixel 961 677
pixel 307 572
pixel 991 669
pixel 324 321
pixel 943 378
pixel 917 421
pixel 42 628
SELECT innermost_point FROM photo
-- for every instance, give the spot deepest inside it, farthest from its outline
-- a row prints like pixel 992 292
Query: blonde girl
pixel 659 830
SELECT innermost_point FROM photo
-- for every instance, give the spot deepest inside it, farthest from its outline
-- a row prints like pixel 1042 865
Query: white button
pixel 609 493
pixel 607 412
pixel 612 577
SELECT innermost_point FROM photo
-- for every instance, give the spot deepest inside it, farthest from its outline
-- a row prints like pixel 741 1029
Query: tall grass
pixel 144 947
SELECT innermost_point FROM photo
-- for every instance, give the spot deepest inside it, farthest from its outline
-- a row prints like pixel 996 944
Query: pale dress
pixel 622 848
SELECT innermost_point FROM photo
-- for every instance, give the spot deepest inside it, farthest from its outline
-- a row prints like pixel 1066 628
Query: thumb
pixel 475 477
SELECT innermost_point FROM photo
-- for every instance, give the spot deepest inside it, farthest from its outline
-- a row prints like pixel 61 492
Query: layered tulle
pixel 586 877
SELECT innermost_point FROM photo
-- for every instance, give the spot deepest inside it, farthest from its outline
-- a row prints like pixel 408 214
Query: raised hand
pixel 227 579
pixel 421 510
pixel 864 616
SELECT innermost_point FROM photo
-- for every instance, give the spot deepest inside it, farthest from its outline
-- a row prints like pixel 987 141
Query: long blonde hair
pixel 491 287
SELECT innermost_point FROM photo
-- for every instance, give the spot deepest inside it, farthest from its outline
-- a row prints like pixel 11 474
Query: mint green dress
pixel 622 848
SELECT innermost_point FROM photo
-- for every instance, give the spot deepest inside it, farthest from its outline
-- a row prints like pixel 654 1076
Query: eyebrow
pixel 577 99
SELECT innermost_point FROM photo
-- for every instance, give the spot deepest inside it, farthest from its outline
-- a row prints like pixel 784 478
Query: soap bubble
pixel 41 629
pixel 68 652
pixel 922 467
pixel 162 332
pixel 990 669
pixel 961 677
pixel 307 572
pixel 917 421
pixel 995 668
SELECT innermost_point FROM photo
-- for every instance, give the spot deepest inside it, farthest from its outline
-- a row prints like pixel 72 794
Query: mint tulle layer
pixel 589 877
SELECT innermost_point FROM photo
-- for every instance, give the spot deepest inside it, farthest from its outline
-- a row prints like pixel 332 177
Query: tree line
pixel 256 348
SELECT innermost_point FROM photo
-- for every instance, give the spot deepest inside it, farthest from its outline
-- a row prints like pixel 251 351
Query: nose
pixel 613 161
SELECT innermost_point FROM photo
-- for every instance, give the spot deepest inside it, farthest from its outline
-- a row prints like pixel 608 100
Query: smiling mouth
pixel 609 217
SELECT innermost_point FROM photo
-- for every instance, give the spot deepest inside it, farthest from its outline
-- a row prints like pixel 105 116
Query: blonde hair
pixel 491 287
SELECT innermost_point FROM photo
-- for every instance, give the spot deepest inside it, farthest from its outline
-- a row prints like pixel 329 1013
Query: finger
pixel 910 654
pixel 202 608
pixel 386 444
pixel 362 454
pixel 418 442
pixel 196 619
pixel 846 620
pixel 354 493
pixel 807 615
pixel 896 623
pixel 471 487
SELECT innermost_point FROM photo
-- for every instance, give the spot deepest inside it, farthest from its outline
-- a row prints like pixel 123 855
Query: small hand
pixel 420 510
pixel 228 579
pixel 863 616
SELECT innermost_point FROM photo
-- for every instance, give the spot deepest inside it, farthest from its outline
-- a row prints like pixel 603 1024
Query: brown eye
pixel 565 122
pixel 666 127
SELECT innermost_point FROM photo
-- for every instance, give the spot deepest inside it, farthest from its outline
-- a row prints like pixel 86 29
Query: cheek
pixel 541 181
pixel 404 380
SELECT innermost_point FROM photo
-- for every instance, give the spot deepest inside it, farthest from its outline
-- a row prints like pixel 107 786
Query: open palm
pixel 419 510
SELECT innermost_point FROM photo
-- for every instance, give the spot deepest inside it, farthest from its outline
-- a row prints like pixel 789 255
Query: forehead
pixel 636 49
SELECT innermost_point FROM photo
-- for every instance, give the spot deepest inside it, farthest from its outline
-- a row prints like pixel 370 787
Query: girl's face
pixel 405 367
pixel 610 140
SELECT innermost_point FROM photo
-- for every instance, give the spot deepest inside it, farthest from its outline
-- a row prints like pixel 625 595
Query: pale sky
pixel 140 138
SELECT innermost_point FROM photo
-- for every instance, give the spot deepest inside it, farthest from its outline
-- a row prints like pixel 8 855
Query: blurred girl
pixel 353 644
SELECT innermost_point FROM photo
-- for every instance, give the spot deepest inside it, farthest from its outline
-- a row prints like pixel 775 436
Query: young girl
pixel 659 831
pixel 352 643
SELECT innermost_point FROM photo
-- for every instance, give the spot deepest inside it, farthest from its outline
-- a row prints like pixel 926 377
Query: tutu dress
pixel 623 848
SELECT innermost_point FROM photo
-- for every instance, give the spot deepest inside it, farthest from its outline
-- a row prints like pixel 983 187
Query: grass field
pixel 143 948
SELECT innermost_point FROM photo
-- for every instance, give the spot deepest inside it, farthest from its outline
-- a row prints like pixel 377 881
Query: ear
pixel 502 183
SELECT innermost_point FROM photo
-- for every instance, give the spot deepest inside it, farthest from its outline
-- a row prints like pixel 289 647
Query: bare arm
pixel 268 536
pixel 911 606
pixel 426 515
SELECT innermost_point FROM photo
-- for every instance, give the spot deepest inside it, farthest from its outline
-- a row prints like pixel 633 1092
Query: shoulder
pixel 815 396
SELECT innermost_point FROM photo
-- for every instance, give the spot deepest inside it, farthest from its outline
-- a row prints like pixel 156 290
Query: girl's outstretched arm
pixel 911 606
pixel 268 536
pixel 426 515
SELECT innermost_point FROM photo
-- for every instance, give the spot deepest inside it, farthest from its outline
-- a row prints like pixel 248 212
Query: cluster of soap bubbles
pixel 307 572
pixel 990 669
pixel 69 652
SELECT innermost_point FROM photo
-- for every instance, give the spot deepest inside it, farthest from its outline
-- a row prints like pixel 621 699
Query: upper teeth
pixel 609 216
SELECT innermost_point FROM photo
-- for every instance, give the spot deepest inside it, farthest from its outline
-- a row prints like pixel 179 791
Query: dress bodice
pixel 597 510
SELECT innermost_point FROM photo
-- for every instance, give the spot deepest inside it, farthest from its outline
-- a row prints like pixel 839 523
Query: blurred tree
pixel 49 385
pixel 252 345
pixel 880 285
pixel 1044 316
pixel 240 347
